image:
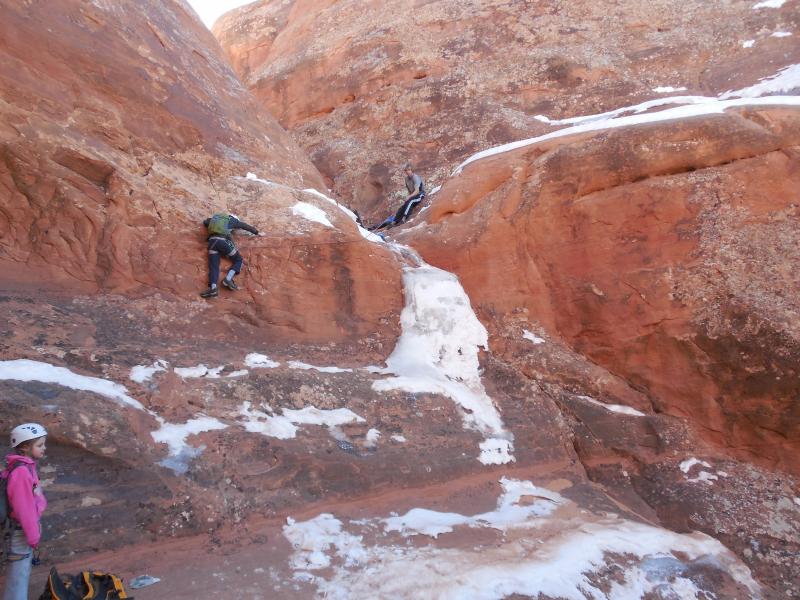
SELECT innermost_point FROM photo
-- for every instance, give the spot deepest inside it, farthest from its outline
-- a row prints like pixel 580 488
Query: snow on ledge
pixel 143 373
pixel 32 370
pixel 311 213
pixel 532 337
pixel 617 408
pixel 668 89
pixel 510 512
pixel 296 364
pixel 703 475
pixel 687 464
pixel 284 426
pixel 198 372
pixel 769 4
pixel 254 360
pixel 367 235
pixel 695 106
pixel 373 435
pixel 174 436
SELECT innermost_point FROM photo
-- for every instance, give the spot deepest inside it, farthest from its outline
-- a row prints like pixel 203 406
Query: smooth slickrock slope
pixel 122 128
pixel 364 85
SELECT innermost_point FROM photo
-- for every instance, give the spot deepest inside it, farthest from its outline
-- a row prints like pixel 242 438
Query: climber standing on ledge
pixel 220 227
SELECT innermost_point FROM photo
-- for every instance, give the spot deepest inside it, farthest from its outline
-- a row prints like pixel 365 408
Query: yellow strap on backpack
pixel 87 579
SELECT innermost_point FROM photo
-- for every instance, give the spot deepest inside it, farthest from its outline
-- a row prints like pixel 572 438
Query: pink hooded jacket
pixel 25 498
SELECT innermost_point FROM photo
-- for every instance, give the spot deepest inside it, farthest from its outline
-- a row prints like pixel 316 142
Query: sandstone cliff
pixel 363 86
pixel 122 128
pixel 346 426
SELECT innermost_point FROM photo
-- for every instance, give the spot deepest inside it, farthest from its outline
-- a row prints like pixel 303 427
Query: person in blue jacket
pixel 220 227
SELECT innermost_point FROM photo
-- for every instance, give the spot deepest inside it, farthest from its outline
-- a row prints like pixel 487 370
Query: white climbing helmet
pixel 26 431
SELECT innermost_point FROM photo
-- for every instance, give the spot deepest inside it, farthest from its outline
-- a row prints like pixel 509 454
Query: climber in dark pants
pixel 416 194
pixel 220 227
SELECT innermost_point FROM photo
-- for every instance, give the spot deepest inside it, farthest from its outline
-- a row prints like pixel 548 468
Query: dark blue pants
pixel 221 246
pixel 408 207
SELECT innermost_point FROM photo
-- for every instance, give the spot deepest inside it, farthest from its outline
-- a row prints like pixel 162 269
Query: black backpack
pixel 87 585
pixel 5 508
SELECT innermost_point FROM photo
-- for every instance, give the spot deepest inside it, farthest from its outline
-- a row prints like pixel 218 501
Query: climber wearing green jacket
pixel 220 227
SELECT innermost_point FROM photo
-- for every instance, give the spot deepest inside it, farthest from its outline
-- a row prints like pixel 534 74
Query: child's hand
pixel 37 490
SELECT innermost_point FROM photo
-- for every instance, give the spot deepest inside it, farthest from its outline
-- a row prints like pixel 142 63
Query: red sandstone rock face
pixel 365 85
pixel 324 296
pixel 121 128
pixel 665 253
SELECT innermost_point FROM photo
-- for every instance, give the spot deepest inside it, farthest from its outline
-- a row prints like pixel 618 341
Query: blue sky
pixel 209 10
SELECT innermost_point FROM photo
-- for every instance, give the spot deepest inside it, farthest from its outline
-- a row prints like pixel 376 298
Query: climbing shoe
pixel 230 284
pixel 210 293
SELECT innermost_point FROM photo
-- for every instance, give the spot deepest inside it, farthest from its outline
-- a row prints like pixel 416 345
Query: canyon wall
pixel 364 86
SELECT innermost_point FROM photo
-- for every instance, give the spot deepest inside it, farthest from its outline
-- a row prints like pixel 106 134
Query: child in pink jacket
pixel 26 504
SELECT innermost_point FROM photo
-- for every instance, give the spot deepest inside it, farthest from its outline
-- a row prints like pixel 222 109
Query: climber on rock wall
pixel 220 227
pixel 416 194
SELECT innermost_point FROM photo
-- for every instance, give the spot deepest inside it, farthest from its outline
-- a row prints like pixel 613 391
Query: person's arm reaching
pixel 237 224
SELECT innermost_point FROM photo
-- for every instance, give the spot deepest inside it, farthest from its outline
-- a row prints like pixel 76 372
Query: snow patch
pixel 748 43
pixel 617 408
pixel 174 436
pixel 532 337
pixel 254 360
pixel 438 353
pixel 373 435
pixel 510 513
pixel 769 4
pixel 311 213
pixel 548 548
pixel 32 370
pixel 668 89
pixel 199 371
pixel 312 538
pixel 401 439
pixel 142 373
pixel 780 34
pixel 702 475
pixel 294 364
pixel 368 235
pixel 695 106
pixel 284 426
pixel 690 462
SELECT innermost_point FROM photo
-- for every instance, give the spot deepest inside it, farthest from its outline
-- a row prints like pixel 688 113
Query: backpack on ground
pixel 87 585
pixel 5 507
pixel 218 225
